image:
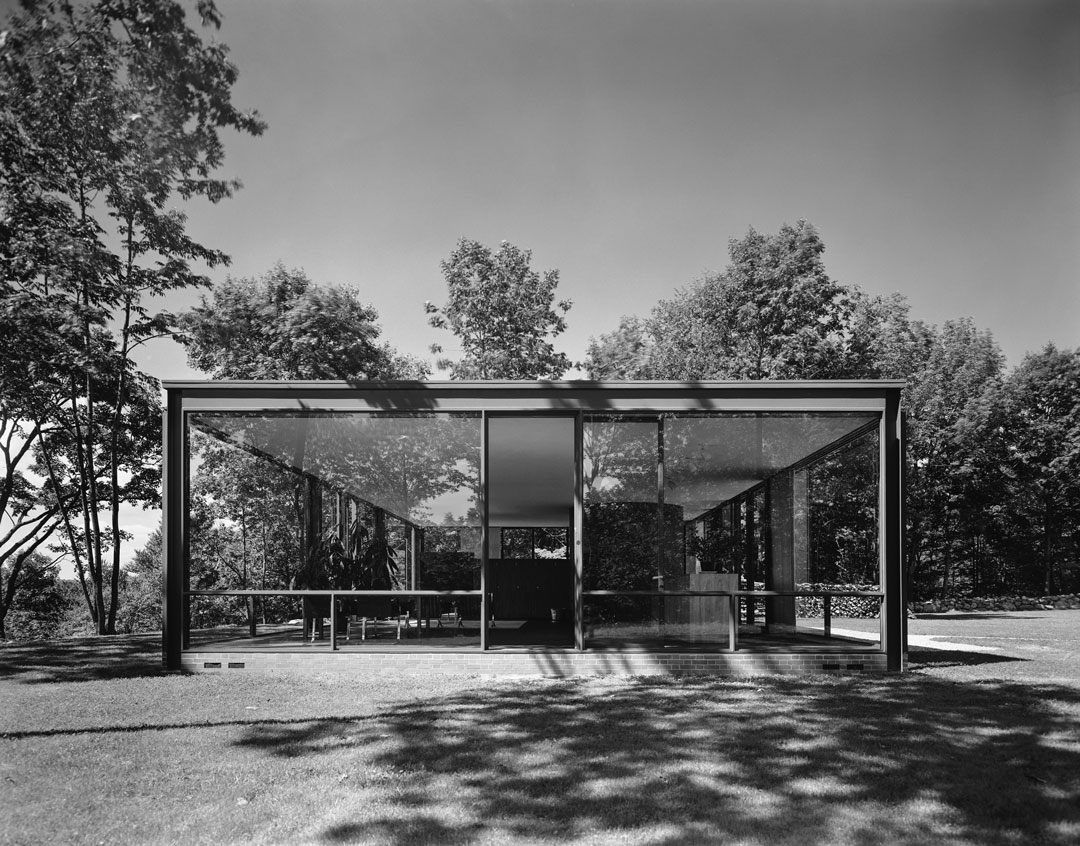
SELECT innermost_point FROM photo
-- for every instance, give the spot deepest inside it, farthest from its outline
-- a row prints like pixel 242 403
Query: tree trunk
pixel 946 568
pixel 1048 546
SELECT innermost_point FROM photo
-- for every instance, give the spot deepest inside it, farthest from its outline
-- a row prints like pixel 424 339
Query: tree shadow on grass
pixel 899 760
pixel 955 657
pixel 82 658
pixel 980 615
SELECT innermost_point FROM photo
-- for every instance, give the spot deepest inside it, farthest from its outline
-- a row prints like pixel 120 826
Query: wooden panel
pixel 529 588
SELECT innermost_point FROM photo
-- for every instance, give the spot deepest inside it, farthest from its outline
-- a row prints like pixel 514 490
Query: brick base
pixel 548 663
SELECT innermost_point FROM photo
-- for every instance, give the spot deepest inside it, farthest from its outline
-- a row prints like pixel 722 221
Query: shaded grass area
pixel 81 658
pixel 91 756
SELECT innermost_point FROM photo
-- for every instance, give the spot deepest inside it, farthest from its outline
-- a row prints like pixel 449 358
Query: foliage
pixel 37 608
pixel 141 589
pixel 991 503
pixel 621 551
pixel 843 496
pixel 29 506
pixel 774 313
pixel 622 354
pixel 1037 413
pixel 284 326
pixel 251 526
pixel 881 339
pixel 948 478
pixel 502 313
pixel 110 113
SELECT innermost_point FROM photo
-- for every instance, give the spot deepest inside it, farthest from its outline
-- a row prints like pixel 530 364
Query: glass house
pixel 560 528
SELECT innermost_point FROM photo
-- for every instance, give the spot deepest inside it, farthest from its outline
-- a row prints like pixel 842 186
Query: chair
pixel 450 616
pixel 366 627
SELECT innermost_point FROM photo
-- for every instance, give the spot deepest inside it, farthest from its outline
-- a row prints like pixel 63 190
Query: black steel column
pixel 173 506
pixel 484 610
pixel 576 532
pixel 892 480
pixel 751 552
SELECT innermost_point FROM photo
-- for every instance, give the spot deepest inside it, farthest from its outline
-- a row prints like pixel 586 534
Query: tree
pixel 1037 411
pixel 110 112
pixel 881 339
pixel 774 313
pixel 502 312
pixel 248 512
pixel 31 602
pixel 140 606
pixel 621 354
pixel 284 326
pixel 30 508
pixel 32 338
pixel 948 488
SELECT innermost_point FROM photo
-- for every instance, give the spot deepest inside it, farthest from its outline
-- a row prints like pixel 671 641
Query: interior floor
pixel 523 634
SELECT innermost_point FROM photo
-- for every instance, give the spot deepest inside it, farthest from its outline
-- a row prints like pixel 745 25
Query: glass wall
pixel 696 503
pixel 368 502
pixel 680 511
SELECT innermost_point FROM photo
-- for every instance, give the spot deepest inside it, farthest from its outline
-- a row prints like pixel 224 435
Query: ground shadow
pixel 981 615
pixel 899 760
pixel 82 658
pixel 955 657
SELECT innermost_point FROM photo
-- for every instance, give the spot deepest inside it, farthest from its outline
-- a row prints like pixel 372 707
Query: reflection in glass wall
pixel 704 502
pixel 358 501
pixel 620 455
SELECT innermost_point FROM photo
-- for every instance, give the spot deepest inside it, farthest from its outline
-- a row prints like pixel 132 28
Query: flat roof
pixel 539 386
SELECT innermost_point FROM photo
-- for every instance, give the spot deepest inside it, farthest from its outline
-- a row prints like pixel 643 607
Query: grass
pixel 98 745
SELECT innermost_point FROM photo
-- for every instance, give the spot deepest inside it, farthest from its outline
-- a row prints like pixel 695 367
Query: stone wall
pixel 1065 601
pixel 842 606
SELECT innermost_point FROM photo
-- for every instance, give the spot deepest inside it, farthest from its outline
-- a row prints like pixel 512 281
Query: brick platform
pixel 536 663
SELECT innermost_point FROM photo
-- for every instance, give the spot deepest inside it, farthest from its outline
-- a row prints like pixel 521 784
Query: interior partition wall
pixel 493 516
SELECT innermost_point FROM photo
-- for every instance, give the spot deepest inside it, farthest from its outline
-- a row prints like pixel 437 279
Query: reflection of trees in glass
pixel 400 464
pixel 245 530
pixel 843 492
pixel 716 540
pixel 710 462
pixel 620 454
pixel 444 564
pixel 358 484
pixel 620 545
pixel 710 458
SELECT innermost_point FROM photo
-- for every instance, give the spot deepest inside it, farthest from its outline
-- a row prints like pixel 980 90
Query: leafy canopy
pixel 111 112
pixel 284 326
pixel 502 313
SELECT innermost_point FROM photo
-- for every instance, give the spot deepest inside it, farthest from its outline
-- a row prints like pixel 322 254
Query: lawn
pixel 99 745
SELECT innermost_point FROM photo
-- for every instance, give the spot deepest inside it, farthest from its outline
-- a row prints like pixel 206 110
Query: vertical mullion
pixel 892 554
pixel 660 500
pixel 182 483
pixel 483 529
pixel 576 530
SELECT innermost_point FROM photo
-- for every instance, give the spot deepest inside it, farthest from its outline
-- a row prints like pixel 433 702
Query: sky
pixel 935 144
